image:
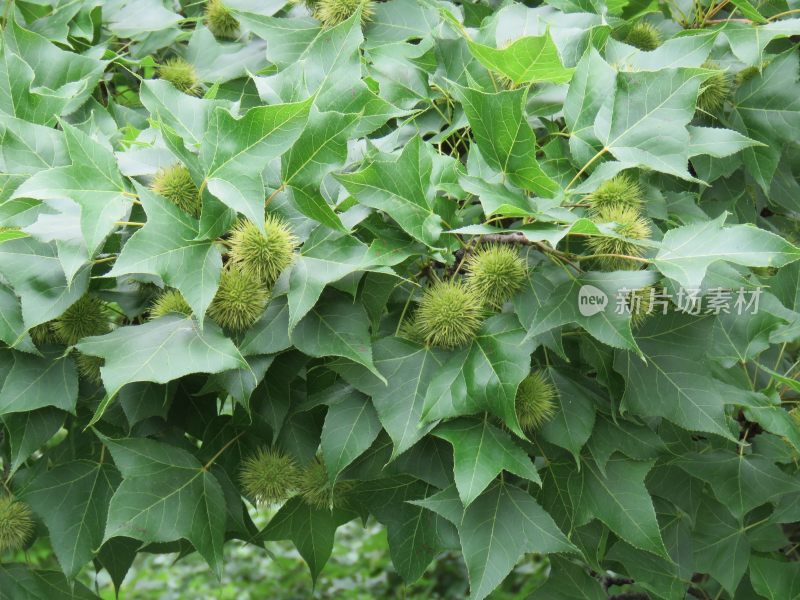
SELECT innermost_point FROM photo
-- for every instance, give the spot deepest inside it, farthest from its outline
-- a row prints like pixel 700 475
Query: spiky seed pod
pixel 269 476
pixel 449 314
pixel 182 75
pixel 262 255
pixel 628 224
pixel 333 12
pixel 170 302
pixel 746 75
pixel 714 90
pixel 618 192
pixel 795 414
pixel 16 523
pixel 318 491
pixel 87 316
pixel 643 36
pixel 220 21
pixel 496 273
pixel 535 401
pixel 176 185
pixel 410 330
pixel 641 303
pixel 239 301
pixel 89 367
pixel 43 334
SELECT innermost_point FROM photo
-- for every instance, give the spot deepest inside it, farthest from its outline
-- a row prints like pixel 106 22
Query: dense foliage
pixel 508 279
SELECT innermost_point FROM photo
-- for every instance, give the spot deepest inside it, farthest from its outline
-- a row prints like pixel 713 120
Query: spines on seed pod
pixel 239 301
pixel 220 20
pixel 449 314
pixel 85 317
pixel 176 185
pixel 643 36
pixel 333 12
pixel 182 75
pixel 629 224
pixel 89 367
pixel 269 476
pixel 263 255
pixel 714 90
pixel 496 273
pixel 170 302
pixel 535 401
pixel 317 490
pixel 620 191
pixel 16 523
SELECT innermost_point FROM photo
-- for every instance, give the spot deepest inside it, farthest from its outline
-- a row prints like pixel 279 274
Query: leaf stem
pixel 130 223
pixel 586 166
pixel 230 442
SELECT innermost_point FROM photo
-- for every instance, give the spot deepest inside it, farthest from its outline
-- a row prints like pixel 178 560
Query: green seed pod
pixel 182 75
pixel 176 185
pixel 449 314
pixel 535 401
pixel 643 36
pixel 618 192
pixel 16 523
pixel 170 302
pixel 410 330
pixel 714 90
pixel 86 317
pixel 262 256
pixel 239 301
pixel 269 476
pixel 333 12
pixel 220 21
pixel 628 224
pixel 795 414
pixel 641 303
pixel 496 273
pixel 746 75
pixel 89 367
pixel 42 334
pixel 318 491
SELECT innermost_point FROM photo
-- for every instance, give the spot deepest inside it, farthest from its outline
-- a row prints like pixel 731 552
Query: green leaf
pixel 646 122
pixel 687 252
pixel 92 181
pixel 34 271
pixel 767 109
pixel 270 334
pixel 166 495
pixel 166 247
pixel 497 529
pixel 336 327
pixel 504 137
pixel 674 348
pixel 351 426
pixel 553 298
pixel 310 529
pixel 21 582
pixel 160 351
pixel 721 546
pixel 618 497
pixel 402 190
pixel 773 579
pixel 28 431
pixel 481 452
pixel 484 376
pixel 73 501
pixel 235 151
pixel 34 382
pixel 526 60
pixel 12 329
pixel 740 481
pixel 568 581
pixel 572 424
